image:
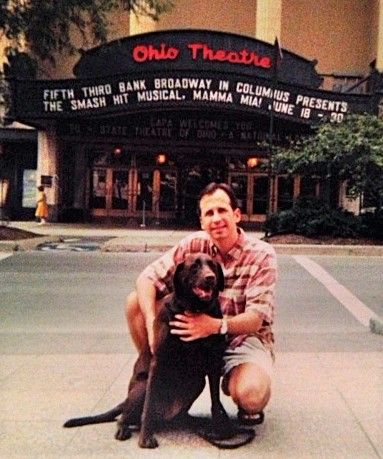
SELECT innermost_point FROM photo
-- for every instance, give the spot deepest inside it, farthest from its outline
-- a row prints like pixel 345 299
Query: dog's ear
pixel 178 280
pixel 220 277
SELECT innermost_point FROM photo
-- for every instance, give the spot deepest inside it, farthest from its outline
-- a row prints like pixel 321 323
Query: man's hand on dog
pixel 191 326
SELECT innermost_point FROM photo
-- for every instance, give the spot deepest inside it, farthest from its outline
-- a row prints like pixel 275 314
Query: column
pixel 80 178
pixel 379 45
pixel 268 20
pixel 48 164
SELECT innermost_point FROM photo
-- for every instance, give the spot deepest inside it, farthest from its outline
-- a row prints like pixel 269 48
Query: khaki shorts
pixel 250 351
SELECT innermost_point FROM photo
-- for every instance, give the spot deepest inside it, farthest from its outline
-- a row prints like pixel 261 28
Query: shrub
pixel 282 222
pixel 333 222
pixel 372 225
pixel 311 217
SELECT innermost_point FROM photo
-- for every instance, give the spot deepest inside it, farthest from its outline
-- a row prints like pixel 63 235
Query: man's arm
pixel 248 322
pixel 194 326
pixel 146 294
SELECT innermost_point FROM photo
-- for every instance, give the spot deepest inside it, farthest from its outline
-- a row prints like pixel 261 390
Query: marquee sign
pixel 129 93
pixel 204 127
pixel 198 50
pixel 186 70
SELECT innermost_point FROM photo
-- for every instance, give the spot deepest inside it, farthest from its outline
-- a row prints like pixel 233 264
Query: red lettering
pixel 220 55
pixel 265 62
pixel 173 53
pixel 194 47
pixel 233 57
pixel 139 53
pixel 246 57
pixel 143 53
pixel 202 50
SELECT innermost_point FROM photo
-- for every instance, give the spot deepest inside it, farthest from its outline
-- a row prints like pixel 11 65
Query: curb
pixel 338 250
pixel 118 247
pixel 115 245
pixel 288 249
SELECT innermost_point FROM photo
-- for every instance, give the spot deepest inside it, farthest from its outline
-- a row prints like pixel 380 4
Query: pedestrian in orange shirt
pixel 42 207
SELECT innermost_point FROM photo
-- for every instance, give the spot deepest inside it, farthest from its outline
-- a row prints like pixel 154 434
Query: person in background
pixel 247 302
pixel 42 207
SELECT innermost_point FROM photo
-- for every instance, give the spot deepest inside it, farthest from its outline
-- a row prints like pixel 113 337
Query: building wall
pixel 341 35
pixel 235 16
pixel 375 8
pixel 335 32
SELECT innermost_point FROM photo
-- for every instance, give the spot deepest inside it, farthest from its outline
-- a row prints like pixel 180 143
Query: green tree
pixel 45 25
pixel 351 150
pixel 39 29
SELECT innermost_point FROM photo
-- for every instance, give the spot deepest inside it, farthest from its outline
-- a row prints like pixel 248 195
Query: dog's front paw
pixel 123 432
pixel 147 441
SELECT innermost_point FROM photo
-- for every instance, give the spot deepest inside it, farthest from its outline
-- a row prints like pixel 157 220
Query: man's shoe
pixel 247 419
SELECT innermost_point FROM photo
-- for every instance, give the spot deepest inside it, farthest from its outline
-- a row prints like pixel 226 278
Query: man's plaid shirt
pixel 250 271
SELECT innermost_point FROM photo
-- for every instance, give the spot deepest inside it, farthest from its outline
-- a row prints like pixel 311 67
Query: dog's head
pixel 199 277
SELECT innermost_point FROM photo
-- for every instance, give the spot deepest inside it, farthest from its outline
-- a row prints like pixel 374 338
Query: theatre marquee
pixel 186 70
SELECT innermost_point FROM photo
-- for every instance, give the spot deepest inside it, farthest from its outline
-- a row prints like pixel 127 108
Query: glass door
pixel 98 189
pixel 109 192
pixel 260 194
pixel 120 189
pixel 239 183
pixel 167 192
pixel 252 191
pixel 285 193
pixel 144 199
pixel 117 192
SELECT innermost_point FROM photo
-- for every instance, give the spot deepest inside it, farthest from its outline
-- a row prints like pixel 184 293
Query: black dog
pixel 165 385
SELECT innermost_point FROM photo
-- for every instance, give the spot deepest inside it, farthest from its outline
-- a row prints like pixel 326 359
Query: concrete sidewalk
pixel 119 239
pixel 324 406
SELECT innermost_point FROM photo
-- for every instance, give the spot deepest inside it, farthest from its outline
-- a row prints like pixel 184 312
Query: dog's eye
pixel 212 265
pixel 196 265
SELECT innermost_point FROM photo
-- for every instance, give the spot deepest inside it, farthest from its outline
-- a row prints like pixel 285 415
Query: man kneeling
pixel 247 301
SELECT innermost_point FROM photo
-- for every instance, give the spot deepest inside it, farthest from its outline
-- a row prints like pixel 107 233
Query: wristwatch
pixel 223 329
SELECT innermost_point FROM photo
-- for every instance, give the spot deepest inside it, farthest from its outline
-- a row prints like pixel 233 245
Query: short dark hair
pixel 212 188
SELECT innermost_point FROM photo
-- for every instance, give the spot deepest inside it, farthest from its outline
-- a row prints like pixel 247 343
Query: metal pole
pixel 143 225
pixel 270 189
pixel 157 207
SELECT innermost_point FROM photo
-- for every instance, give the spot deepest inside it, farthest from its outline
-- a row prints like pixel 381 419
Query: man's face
pixel 218 218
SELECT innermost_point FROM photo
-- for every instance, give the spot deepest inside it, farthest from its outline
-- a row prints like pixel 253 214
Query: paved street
pixel 65 352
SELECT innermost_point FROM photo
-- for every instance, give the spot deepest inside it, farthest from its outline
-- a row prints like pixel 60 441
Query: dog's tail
pixel 108 416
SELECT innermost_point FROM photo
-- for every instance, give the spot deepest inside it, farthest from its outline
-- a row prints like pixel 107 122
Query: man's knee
pixel 132 307
pixel 254 398
pixel 251 390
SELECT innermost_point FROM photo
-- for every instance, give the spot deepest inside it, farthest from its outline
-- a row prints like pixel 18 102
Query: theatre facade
pixel 152 118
